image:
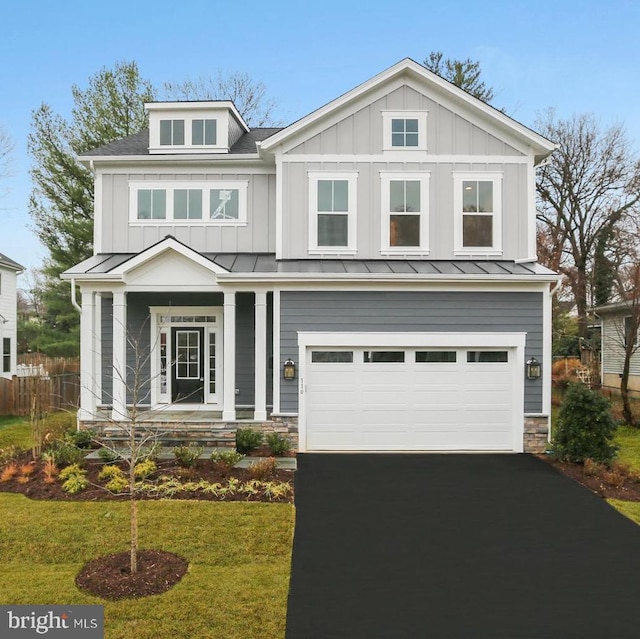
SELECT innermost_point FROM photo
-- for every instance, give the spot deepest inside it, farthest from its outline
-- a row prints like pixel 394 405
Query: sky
pixel 574 56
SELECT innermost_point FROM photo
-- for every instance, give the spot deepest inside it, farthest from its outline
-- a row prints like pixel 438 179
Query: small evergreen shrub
pixel 585 427
pixel 82 438
pixel 224 461
pixel 108 456
pixel 73 478
pixel 279 445
pixel 145 468
pixel 65 452
pixel 187 456
pixel 247 440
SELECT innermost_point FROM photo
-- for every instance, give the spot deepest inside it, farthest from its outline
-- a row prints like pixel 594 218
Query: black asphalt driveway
pixel 457 546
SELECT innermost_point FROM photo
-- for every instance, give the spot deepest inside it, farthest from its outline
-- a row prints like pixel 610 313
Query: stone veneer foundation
pixel 536 434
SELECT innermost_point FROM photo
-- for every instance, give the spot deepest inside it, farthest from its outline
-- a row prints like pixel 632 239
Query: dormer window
pixel 404 130
pixel 204 132
pixel 172 132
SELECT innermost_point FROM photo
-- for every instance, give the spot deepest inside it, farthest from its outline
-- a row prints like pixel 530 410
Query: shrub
pixel 8 472
pixel 263 469
pixel 585 427
pixel 82 438
pixel 109 472
pixel 73 478
pixel 187 456
pixel 224 461
pixel 65 452
pixel 145 468
pixel 279 445
pixel 108 456
pixel 247 440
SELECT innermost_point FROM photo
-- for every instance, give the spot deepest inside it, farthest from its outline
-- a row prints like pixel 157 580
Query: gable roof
pixel 411 68
pixel 10 264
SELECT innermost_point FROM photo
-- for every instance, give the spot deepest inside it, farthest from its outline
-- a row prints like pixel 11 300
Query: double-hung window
pixel 405 206
pixel 332 212
pixel 404 130
pixel 218 202
pixel 6 355
pixel 478 213
pixel 204 132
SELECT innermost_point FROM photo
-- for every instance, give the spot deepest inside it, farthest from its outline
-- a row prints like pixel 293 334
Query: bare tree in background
pixel 6 151
pixel 588 191
pixel 249 96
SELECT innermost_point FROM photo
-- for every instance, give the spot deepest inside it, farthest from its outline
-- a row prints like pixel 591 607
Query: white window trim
pixel 421 116
pixel 242 186
pixel 458 178
pixel 385 179
pixel 220 145
pixel 351 177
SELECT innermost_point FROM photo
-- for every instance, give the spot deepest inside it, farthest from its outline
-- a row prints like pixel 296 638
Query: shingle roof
pixel 9 263
pixel 138 144
pixel 267 263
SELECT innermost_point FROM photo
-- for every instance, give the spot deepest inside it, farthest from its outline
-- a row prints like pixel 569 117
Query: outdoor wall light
pixel 289 369
pixel 533 368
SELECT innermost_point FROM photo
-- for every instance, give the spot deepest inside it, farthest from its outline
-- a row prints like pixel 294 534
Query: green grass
pixel 630 509
pixel 15 431
pixel 629 441
pixel 239 561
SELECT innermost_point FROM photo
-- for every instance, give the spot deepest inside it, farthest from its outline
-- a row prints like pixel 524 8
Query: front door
pixel 187 369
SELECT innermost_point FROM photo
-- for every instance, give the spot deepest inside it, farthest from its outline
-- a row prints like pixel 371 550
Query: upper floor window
pixel 332 212
pixel 405 221
pixel 404 130
pixel 478 213
pixel 172 132
pixel 204 132
pixel 209 202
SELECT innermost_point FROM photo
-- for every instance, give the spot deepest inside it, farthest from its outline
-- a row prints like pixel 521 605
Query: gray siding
pixel 119 236
pixel 410 312
pixel 139 336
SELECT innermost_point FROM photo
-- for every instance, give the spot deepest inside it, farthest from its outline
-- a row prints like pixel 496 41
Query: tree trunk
pixel 627 410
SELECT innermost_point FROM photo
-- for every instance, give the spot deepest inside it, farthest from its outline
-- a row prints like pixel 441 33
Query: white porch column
pixel 261 357
pixel 229 363
pixel 119 412
pixel 88 338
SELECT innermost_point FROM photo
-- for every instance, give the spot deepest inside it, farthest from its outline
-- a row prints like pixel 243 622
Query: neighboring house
pixel 9 271
pixel 366 276
pixel 616 322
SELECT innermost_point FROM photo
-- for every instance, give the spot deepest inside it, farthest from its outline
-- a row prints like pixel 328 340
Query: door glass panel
pixel 435 357
pixel 188 354
pixel 212 363
pixel 163 363
pixel 487 357
pixel 332 357
pixel 375 357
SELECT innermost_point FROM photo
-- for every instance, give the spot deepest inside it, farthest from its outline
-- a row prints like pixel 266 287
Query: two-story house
pixel 366 276
pixel 9 271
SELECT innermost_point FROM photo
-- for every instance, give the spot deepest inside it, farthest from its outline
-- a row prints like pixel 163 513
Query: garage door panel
pixel 366 404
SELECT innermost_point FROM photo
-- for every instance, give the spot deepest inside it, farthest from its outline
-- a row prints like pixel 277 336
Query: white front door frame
pixel 327 339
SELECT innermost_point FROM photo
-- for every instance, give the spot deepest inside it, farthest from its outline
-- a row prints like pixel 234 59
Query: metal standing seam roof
pixel 104 263
pixel 138 144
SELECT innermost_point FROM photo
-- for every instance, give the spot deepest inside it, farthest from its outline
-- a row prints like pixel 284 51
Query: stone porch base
pixel 536 434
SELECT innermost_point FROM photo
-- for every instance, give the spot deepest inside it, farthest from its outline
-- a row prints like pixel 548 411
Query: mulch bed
pixel 36 488
pixel 110 577
pixel 627 490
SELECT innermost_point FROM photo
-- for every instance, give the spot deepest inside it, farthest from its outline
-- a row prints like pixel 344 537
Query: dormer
pixel 194 127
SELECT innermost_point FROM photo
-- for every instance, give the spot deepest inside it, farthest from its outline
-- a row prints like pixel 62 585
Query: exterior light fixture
pixel 289 369
pixel 533 368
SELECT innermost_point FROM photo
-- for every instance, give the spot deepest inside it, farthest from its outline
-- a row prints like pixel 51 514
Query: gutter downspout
pixel 74 300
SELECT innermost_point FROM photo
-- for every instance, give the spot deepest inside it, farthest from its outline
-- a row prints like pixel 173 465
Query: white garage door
pixel 410 399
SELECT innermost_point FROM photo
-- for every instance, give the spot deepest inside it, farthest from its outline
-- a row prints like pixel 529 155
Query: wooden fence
pixel 57 389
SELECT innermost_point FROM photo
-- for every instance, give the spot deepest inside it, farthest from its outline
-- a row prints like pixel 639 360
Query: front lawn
pixel 239 561
pixel 15 431
pixel 629 441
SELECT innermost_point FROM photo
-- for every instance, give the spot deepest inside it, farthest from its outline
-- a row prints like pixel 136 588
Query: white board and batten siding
pixel 464 400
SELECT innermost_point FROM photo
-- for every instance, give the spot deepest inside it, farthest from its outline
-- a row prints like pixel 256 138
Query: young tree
pixel 249 96
pixel 587 191
pixel 463 73
pixel 61 203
